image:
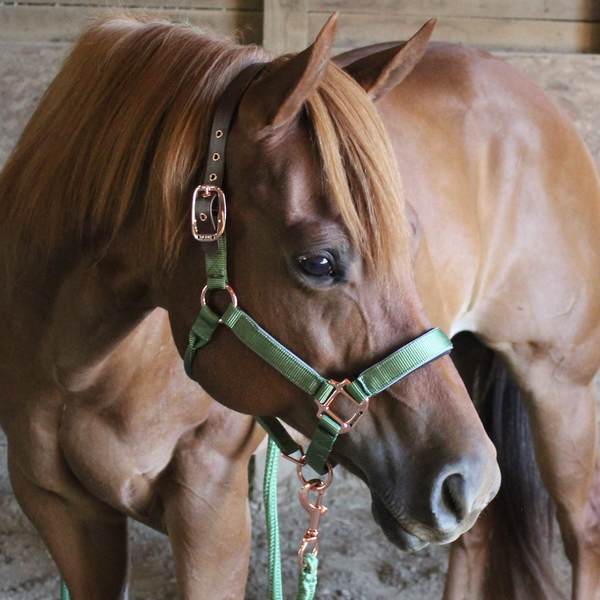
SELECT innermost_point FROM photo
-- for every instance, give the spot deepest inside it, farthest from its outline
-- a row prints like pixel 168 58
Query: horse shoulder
pixel 506 193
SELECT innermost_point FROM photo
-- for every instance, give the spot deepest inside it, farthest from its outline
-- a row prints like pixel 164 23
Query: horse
pixel 102 281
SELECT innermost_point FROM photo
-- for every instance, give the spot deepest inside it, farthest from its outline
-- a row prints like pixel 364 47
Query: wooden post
pixel 285 25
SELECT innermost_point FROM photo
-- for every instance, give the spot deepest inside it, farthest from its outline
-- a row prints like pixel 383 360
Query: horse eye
pixel 317 265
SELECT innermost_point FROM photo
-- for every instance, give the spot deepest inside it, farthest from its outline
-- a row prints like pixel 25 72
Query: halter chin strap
pixel 209 213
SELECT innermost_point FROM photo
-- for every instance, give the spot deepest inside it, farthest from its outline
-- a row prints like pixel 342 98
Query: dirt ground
pixel 357 561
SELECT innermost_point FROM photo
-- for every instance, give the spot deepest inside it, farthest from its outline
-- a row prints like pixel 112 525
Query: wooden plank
pixel 285 25
pixel 163 4
pixel 565 10
pixel 357 30
pixel 63 23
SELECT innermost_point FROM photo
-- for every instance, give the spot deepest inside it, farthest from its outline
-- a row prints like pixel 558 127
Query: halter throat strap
pixel 209 214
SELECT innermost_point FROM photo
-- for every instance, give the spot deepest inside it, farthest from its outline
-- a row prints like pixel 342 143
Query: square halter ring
pixel 325 407
pixel 215 193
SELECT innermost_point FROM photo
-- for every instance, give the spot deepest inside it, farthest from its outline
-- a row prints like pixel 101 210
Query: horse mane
pixel 119 138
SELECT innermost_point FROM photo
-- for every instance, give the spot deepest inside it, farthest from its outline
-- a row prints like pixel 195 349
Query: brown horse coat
pixel 102 424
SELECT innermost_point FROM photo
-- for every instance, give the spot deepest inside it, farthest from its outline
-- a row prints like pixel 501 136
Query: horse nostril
pixel 453 496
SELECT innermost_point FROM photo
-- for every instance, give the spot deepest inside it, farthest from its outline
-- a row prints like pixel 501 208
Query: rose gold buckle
pixel 207 190
pixel 325 407
pixel 311 538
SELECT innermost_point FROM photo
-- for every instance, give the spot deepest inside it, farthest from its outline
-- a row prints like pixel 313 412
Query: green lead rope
pixel 64 592
pixel 307 579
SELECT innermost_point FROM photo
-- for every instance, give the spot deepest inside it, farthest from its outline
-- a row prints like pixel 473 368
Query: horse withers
pixel 102 281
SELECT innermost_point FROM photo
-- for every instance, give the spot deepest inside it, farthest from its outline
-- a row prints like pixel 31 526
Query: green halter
pixel 208 219
pixel 417 353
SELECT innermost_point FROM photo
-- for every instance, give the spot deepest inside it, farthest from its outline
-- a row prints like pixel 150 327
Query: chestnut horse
pixel 102 279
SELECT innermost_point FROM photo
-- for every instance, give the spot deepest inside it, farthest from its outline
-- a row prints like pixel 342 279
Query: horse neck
pixel 78 309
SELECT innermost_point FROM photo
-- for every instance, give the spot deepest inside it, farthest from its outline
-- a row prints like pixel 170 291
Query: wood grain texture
pixel 526 35
pixel 566 10
pixel 63 23
pixel 164 4
pixel 285 25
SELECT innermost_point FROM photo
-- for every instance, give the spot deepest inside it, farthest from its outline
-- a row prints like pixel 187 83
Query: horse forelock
pixel 118 138
pixel 361 172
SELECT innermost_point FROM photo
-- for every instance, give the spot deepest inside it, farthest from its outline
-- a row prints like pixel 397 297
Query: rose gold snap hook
pixel 315 512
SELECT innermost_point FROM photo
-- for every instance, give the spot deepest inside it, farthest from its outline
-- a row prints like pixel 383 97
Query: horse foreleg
pixel 565 440
pixel 468 559
pixel 86 538
pixel 584 540
pixel 207 517
pixel 562 417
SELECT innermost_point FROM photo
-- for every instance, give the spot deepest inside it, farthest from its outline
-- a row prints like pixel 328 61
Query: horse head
pixel 319 255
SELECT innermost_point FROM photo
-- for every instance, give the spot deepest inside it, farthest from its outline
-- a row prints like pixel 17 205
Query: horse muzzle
pixel 455 502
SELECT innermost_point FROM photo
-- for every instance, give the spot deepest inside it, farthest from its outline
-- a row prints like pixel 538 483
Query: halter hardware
pixel 325 407
pixel 232 296
pixel 311 538
pixel 208 213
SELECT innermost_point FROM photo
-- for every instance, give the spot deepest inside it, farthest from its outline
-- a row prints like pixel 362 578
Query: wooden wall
pixel 521 25
pixel 42 21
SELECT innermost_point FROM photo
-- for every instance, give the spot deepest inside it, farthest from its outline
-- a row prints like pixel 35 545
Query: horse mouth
pixel 393 529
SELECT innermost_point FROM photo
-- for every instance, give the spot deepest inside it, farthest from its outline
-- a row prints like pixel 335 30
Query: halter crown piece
pixel 209 216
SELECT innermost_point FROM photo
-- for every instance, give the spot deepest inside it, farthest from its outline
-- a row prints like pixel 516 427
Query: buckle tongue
pixel 208 216
pixel 325 407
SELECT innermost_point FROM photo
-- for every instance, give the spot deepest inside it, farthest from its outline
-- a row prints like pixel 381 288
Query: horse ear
pixel 288 87
pixel 382 71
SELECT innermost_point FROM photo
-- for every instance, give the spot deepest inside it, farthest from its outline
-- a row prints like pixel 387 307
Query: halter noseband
pixel 209 215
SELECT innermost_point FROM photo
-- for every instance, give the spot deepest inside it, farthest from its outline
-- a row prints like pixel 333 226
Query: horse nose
pixel 453 503
pixel 457 498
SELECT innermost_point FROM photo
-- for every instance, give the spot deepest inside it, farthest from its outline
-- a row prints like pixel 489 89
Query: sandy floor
pixel 366 569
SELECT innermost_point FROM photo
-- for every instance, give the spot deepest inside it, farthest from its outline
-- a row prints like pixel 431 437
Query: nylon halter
pixel 209 215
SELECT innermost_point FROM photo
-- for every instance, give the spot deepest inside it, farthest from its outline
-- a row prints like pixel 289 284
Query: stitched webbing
pixel 200 335
pixel 216 267
pixel 277 355
pixel 278 434
pixel 321 445
pixel 415 354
